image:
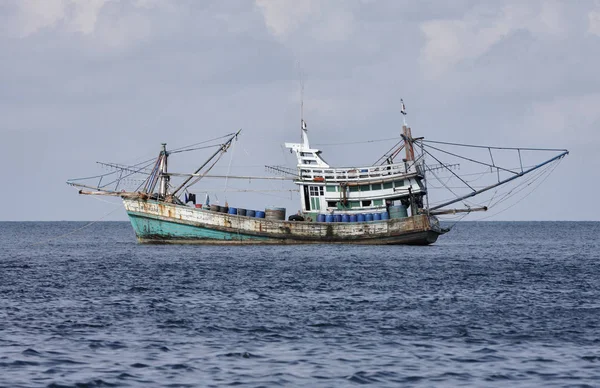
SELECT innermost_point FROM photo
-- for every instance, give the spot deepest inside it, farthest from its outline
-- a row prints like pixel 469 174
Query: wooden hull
pixel 163 223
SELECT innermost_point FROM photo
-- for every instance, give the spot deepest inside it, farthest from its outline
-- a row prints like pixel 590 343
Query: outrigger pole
pixel 223 148
pixel 474 193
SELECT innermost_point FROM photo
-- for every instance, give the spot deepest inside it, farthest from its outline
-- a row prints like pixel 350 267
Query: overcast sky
pixel 89 80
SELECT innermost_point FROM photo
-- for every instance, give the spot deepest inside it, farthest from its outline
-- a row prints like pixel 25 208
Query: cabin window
pixel 316 191
pixel 399 183
pixel 378 202
pixel 388 185
pixel 353 188
pixel 316 203
pixel 376 186
pixel 366 203
pixel 331 189
pixel 354 204
pixel 365 188
pixel 331 203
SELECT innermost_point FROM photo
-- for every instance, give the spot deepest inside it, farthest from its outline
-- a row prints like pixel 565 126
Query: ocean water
pixel 491 304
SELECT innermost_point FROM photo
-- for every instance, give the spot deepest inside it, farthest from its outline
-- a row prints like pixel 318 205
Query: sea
pixel 491 304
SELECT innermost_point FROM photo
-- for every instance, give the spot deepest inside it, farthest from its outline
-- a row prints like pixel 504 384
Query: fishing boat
pixel 387 202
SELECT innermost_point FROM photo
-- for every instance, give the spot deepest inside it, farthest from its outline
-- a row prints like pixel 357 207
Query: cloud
pixel 34 16
pixel 594 22
pixel 568 119
pixel 285 16
pixel 105 23
pixel 323 20
pixel 449 42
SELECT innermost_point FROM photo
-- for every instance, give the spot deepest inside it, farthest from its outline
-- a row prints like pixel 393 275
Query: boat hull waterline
pixel 164 223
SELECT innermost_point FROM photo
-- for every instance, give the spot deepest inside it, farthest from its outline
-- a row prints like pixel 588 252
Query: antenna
pixel 302 124
pixel 403 110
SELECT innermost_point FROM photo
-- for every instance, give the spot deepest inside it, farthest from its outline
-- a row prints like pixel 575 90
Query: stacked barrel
pixel 270 213
pixel 395 212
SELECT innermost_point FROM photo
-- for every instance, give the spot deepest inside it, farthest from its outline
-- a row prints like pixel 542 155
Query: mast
pixel 301 109
pixel 303 126
pixel 407 135
pixel 163 177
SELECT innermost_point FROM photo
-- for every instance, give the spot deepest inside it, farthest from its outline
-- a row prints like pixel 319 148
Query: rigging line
pixel 356 142
pixel 237 190
pixel 458 219
pixel 78 229
pixel 202 142
pixel 447 188
pixel 471 160
pixel 119 168
pixel 229 167
pixel 149 181
pixel 390 152
pixel 428 153
pixel 131 173
pixel 525 183
pixel 496 148
pixel 455 187
pixel 205 172
pixel 219 152
pixel 439 180
pixel 445 184
pixel 434 204
pixel 193 149
pixel 511 193
pixel 520 188
pixel 108 173
pixel 526 195
pixel 486 171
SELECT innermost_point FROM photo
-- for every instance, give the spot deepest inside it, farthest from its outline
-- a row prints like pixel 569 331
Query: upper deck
pixel 356 175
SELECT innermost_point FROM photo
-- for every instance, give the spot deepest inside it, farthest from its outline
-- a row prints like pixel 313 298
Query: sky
pixel 107 80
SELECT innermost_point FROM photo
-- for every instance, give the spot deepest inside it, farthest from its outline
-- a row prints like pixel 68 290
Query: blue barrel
pixel 260 214
pixel 360 218
pixel 337 218
pixel 250 213
pixel 398 211
pixel 241 212
pixel 232 210
pixel 369 217
pixel 328 218
pixel 385 216
pixel 345 218
pixel 376 216
pixel 353 218
pixel 321 218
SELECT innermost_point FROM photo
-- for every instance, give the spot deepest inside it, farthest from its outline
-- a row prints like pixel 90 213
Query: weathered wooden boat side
pixel 160 222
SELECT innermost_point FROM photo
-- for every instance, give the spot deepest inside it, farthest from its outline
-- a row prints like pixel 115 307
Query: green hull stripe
pixel 155 229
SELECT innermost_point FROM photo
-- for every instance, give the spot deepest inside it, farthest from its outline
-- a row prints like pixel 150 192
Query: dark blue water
pixel 491 304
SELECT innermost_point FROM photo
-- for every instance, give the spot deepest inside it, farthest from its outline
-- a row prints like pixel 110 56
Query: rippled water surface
pixel 491 304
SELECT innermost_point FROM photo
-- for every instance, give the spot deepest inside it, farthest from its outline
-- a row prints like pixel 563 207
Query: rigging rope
pixel 494 148
pixel 356 142
pixel 229 169
pixel 81 228
pixel 525 196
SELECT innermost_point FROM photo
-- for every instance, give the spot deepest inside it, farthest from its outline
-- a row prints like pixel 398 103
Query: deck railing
pixel 355 174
